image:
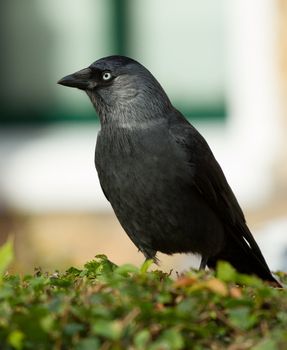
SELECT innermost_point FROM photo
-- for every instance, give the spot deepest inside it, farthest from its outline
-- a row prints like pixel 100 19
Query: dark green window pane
pixel 40 42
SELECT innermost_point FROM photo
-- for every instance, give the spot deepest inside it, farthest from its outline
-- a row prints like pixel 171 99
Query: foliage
pixel 104 306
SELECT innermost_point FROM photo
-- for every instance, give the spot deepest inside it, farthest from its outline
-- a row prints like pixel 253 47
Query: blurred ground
pixel 61 240
pixel 57 241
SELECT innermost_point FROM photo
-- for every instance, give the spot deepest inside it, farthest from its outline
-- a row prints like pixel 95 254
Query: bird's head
pixel 118 84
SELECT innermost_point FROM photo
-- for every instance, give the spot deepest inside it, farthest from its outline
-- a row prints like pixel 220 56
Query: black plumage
pixel 159 174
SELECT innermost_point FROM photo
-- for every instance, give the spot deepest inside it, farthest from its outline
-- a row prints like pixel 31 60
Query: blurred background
pixel 224 65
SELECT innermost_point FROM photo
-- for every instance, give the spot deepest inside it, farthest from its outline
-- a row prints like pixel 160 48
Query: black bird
pixel 159 174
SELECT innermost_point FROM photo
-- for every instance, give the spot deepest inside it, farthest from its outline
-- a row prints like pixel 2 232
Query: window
pixel 181 43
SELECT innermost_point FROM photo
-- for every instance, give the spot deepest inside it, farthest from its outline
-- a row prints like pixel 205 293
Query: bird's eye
pixel 106 76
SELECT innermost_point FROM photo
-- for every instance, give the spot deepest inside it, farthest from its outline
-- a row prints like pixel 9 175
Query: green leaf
pixel 226 272
pixel 108 329
pixel 146 265
pixel 126 269
pixel 248 280
pixel 101 265
pixel 47 323
pixel 266 344
pixel 15 339
pixel 173 338
pixel 88 344
pixel 6 257
pixel 141 339
pixel 73 271
pixel 242 318
pixel 73 328
pixel 170 339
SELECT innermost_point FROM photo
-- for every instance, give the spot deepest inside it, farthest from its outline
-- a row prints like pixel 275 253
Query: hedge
pixel 105 306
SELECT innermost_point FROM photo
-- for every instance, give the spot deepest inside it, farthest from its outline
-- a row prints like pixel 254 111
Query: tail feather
pixel 242 251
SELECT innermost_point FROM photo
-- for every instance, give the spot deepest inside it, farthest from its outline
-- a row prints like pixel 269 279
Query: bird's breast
pixel 138 163
pixel 149 185
pixel 143 179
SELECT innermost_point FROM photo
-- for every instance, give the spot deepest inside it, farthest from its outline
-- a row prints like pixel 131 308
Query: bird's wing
pixel 211 183
pixel 208 176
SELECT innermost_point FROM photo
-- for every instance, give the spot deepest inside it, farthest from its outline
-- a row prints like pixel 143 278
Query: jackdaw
pixel 159 174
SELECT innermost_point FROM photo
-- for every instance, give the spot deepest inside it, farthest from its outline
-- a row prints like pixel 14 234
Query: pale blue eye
pixel 106 76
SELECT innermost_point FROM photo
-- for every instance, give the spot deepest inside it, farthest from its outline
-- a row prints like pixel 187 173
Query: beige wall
pixel 282 49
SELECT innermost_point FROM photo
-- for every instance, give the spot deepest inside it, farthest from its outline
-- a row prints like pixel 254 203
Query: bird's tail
pixel 242 251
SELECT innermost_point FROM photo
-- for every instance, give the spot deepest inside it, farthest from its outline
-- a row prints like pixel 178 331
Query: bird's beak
pixel 80 79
